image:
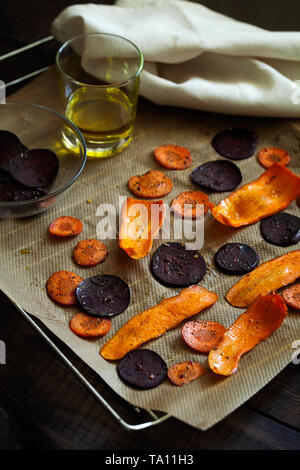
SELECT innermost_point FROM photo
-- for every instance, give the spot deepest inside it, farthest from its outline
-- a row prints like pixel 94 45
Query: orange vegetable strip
pixel 266 278
pixel 87 326
pixel 270 155
pixel 140 222
pixel 185 372
pixel 291 296
pixel 61 287
pixel 155 321
pixel 65 226
pixel 272 192
pixel 264 316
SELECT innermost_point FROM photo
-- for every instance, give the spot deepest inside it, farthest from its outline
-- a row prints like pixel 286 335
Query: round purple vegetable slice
pixel 10 147
pixel 36 168
pixel 281 229
pixel 26 194
pixel 218 176
pixel 142 368
pixel 13 192
pixel 5 177
pixel 174 266
pixel 103 295
pixel 236 258
pixel 236 144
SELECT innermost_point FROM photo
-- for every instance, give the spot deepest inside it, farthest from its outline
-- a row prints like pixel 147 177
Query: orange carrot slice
pixel 264 316
pixel 187 204
pixel 266 278
pixel 155 321
pixel 272 192
pixel 65 226
pixel 140 222
pixel 291 296
pixel 89 252
pixel 89 327
pixel 270 155
pixel 185 372
pixel 202 336
pixel 150 185
pixel 173 157
pixel 61 287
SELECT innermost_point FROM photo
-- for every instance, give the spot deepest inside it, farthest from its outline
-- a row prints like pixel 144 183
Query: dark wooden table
pixel 48 406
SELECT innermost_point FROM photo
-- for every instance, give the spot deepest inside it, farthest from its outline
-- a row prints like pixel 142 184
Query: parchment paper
pixel 23 277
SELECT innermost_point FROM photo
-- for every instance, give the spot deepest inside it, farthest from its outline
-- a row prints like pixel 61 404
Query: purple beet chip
pixel 10 147
pixel 236 258
pixel 13 192
pixel 103 295
pixel 35 168
pixel 174 266
pixel 281 229
pixel 142 368
pixel 236 144
pixel 6 177
pixel 218 176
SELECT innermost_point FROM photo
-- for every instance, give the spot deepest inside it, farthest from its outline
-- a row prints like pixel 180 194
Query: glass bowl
pixel 40 127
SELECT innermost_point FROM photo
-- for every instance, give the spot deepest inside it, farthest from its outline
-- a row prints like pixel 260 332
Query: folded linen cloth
pixel 197 58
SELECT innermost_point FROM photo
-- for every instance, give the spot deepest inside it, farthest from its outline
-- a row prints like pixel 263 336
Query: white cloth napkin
pixel 197 58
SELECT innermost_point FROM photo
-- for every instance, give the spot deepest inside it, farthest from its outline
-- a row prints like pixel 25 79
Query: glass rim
pixel 115 84
pixel 56 192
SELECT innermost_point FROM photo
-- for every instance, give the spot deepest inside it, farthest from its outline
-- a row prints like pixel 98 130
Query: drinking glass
pixel 99 77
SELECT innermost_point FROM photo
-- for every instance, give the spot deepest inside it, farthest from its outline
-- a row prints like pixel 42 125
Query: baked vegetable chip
pixel 291 296
pixel 281 229
pixel 140 222
pixel 143 369
pixel 266 278
pixel 235 143
pixel 264 316
pixel 61 287
pixel 89 327
pixel 174 266
pixel 186 204
pixel 202 336
pixel 270 155
pixel 236 258
pixel 35 168
pixel 173 157
pixel 65 226
pixel 217 176
pixel 150 185
pixel 103 295
pixel 155 321
pixel 272 192
pixel 89 252
pixel 185 372
pixel 10 147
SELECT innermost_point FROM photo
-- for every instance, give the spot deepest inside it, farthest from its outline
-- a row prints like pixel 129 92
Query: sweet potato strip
pixel 272 192
pixel 268 277
pixel 155 321
pixel 140 222
pixel 263 317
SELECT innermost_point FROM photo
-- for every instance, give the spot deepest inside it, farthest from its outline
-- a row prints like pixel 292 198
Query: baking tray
pixel 125 424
